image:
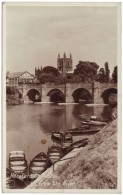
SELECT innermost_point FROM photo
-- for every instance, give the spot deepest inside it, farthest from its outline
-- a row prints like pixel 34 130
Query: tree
pixel 7 73
pixel 114 75
pixel 107 72
pixel 59 80
pixel 10 90
pixel 86 71
pixel 50 70
pixel 49 74
pixel 104 74
pixel 13 91
pixel 46 78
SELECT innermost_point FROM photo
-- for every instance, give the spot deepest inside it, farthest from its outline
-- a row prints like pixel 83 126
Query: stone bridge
pixel 69 91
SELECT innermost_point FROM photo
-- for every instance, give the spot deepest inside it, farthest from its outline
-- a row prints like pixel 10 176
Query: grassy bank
pixel 94 168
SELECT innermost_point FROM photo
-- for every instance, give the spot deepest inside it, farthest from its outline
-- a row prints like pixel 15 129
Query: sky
pixel 36 34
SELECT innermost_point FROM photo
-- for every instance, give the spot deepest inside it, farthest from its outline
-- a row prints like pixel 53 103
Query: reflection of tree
pixel 60 118
pixel 82 109
pixel 106 114
pixel 51 118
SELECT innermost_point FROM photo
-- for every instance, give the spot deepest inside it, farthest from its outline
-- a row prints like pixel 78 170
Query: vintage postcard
pixel 62 97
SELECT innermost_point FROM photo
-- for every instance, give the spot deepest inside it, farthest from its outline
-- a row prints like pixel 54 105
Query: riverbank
pixel 14 100
pixel 94 167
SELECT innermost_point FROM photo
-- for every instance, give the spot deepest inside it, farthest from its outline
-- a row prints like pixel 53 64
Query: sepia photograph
pixel 61 97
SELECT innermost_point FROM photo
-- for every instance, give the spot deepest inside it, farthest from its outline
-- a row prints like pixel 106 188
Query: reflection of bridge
pixel 69 91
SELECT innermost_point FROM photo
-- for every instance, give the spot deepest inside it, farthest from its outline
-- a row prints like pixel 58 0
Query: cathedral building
pixel 64 64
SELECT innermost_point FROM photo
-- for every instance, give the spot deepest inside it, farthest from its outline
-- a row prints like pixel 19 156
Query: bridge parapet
pixel 52 85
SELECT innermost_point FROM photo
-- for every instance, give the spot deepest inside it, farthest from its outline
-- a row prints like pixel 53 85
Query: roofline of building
pixel 21 75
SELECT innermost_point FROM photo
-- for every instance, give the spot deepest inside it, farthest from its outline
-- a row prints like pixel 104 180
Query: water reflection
pixel 82 109
pixel 107 113
pixel 28 125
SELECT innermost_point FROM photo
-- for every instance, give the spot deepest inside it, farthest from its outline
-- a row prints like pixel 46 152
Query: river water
pixel 29 124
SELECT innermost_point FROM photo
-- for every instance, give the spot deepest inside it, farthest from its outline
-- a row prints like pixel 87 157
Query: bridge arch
pixel 34 95
pixel 110 96
pixel 56 95
pixel 82 95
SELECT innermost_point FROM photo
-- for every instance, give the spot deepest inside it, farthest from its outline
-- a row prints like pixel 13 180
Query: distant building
pixel 65 65
pixel 16 78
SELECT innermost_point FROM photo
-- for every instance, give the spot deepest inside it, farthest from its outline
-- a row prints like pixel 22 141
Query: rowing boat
pixel 94 123
pixel 38 165
pixel 54 154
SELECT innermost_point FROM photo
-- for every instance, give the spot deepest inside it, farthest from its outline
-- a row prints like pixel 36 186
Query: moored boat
pixel 38 165
pixel 67 137
pixel 80 143
pixel 57 135
pixel 85 126
pixel 54 154
pixel 94 123
pixel 10 182
pixel 67 141
pixel 81 130
pixel 94 118
pixel 67 146
pixel 17 157
pixel 18 164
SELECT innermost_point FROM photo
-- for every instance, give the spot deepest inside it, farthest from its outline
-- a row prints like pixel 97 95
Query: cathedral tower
pixel 64 65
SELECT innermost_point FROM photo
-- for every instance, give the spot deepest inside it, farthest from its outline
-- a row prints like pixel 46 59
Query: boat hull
pixel 18 165
pixel 38 165
pixel 54 154
pixel 94 123
pixel 57 136
pixel 77 131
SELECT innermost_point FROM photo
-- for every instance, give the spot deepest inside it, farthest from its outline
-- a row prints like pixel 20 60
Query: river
pixel 29 124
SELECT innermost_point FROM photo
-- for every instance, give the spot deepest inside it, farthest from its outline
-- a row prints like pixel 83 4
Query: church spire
pixel 64 56
pixel 59 56
pixel 70 56
pixel 35 70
